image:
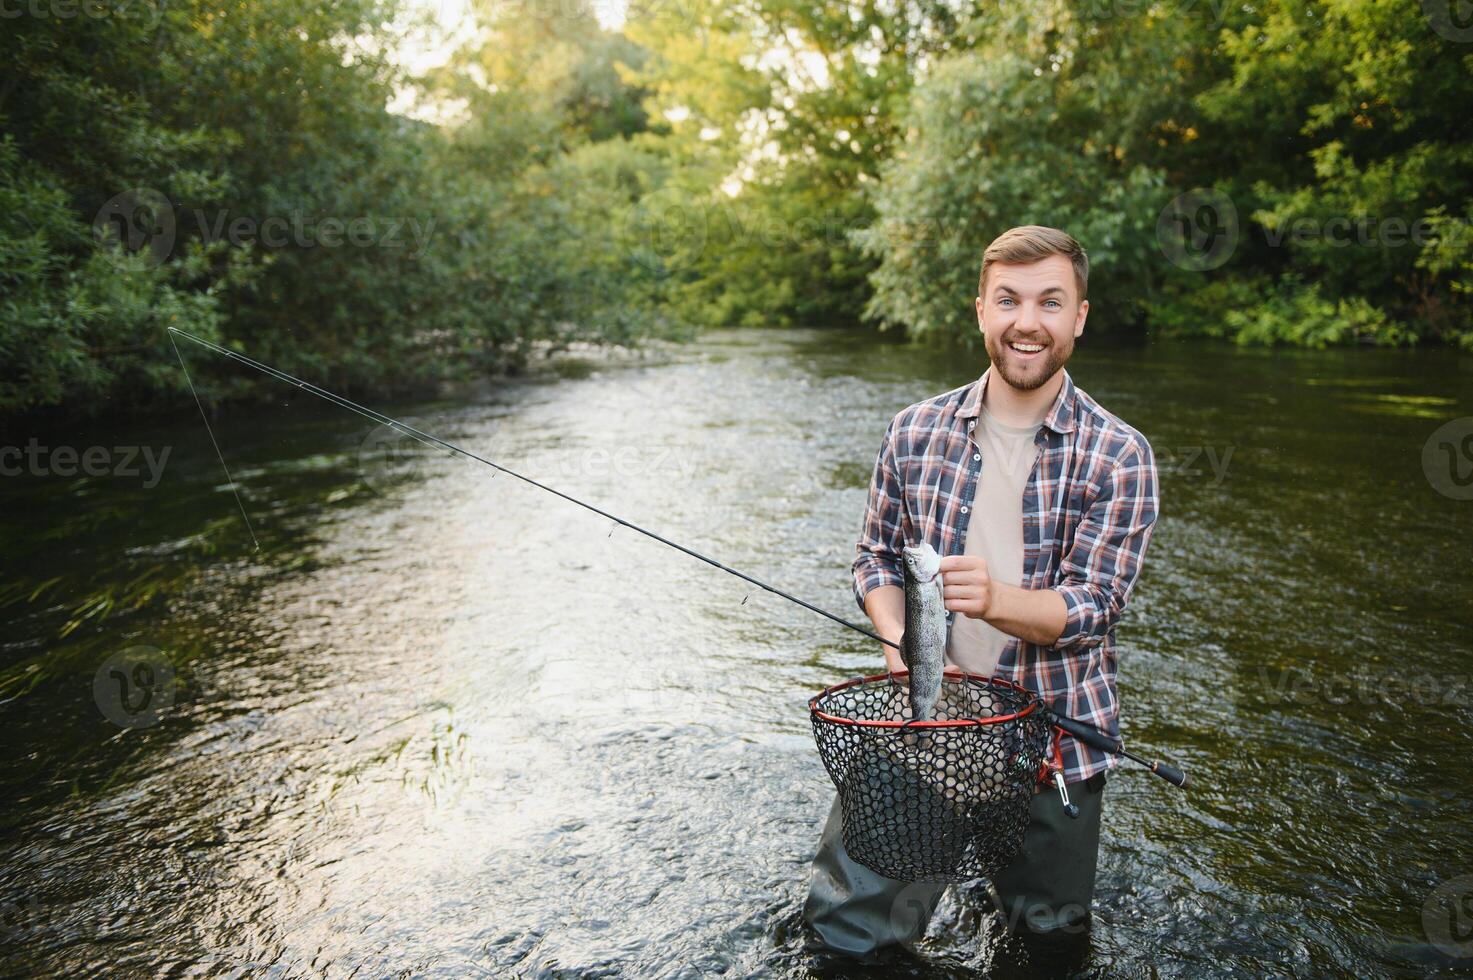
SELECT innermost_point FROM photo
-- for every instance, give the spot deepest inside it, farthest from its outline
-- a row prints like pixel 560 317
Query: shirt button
pixel 976 455
pixel 964 510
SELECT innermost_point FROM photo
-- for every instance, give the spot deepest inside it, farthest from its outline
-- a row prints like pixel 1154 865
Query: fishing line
pixel 1085 732
pixel 187 380
pixel 434 442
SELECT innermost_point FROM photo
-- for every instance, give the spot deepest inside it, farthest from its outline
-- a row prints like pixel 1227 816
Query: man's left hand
pixel 968 585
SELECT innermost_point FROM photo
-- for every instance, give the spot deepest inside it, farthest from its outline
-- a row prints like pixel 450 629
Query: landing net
pixel 941 800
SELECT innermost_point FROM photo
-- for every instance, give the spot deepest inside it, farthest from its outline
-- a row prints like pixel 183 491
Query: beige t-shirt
pixel 994 532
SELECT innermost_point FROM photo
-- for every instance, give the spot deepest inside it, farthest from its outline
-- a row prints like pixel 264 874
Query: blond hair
pixel 1031 243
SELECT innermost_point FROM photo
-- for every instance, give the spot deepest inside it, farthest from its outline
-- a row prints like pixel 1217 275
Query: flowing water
pixel 445 724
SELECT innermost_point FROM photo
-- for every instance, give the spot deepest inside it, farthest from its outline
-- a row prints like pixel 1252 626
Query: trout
pixel 923 644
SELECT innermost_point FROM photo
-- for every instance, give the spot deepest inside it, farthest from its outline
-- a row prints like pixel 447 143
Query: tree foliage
pixel 238 170
pixel 234 170
pixel 1325 128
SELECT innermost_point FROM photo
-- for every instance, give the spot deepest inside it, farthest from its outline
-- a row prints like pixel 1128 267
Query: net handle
pixel 1033 704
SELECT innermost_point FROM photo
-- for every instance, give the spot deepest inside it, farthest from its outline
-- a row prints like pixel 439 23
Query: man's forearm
pixel 885 607
pixel 1035 616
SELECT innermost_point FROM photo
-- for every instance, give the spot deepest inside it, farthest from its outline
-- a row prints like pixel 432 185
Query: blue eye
pixel 1008 301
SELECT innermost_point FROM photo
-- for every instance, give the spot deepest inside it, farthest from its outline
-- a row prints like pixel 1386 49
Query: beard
pixel 1032 374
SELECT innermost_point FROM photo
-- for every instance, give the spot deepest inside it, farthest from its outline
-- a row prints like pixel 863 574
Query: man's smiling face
pixel 1029 316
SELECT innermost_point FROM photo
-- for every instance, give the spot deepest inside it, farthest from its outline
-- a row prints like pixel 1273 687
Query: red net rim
pixel 1033 704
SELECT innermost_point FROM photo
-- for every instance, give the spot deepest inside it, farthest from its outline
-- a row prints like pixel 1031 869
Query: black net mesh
pixel 932 804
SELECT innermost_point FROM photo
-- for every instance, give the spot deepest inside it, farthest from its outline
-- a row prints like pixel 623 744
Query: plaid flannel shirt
pixel 1088 512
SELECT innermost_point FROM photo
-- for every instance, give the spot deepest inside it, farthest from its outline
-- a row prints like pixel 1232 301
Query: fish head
pixel 922 561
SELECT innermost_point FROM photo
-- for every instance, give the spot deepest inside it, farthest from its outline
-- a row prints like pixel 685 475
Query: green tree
pixel 1055 118
pixel 1335 136
pixel 789 110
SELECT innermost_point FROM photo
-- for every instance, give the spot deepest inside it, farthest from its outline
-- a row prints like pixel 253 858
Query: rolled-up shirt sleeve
pixel 1109 545
pixel 878 553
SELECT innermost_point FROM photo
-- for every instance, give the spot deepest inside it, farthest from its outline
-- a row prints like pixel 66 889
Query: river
pixel 445 724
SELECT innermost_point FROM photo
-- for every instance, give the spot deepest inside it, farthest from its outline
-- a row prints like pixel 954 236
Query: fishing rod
pixel 1084 732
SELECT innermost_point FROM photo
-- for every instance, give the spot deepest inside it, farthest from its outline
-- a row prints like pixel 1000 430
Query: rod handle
pixel 1171 774
pixel 1087 734
pixel 1092 736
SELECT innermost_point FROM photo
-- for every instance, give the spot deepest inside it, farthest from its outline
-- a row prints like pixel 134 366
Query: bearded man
pixel 1042 504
